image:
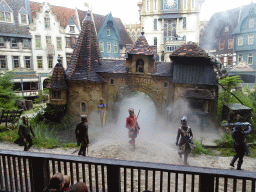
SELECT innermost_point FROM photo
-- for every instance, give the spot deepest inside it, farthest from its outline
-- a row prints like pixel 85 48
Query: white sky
pixel 127 10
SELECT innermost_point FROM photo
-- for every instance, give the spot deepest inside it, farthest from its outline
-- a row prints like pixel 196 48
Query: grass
pixel 200 149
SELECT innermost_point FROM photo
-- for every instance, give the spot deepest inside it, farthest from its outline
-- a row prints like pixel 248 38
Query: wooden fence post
pixel 113 176
pixel 40 174
pixel 206 183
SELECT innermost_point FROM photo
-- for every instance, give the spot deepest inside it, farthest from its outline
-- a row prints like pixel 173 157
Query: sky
pixel 127 10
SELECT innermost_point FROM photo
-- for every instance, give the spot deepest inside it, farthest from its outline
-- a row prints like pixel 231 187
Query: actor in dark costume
pixel 24 133
pixel 184 140
pixel 133 126
pixel 102 110
pixel 82 135
pixel 240 146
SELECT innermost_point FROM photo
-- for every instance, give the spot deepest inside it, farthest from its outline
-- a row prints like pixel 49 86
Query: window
pixel 193 4
pixel 70 42
pixel 108 47
pixel 83 107
pixel 48 40
pixel 227 29
pixel 185 4
pixel 59 43
pixel 5 16
pixel 27 62
pixel 2 42
pixel 3 62
pixel 115 48
pixel 56 94
pixel 147 5
pixel 23 19
pixel 239 57
pixel 222 44
pixel 112 81
pixel 155 40
pixel 222 60
pixel 47 23
pixel 230 60
pixel 155 5
pixel 162 57
pixel 184 22
pixel 171 48
pixel 14 43
pixel 140 66
pixel 50 61
pixel 108 31
pixel 165 84
pixel 72 29
pixel 240 40
pixel 251 22
pixel 101 46
pixel 230 44
pixel 38 41
pixel 250 59
pixel 16 61
pixel 250 39
pixel 157 57
pixel 39 62
pixel 26 43
pixel 68 57
pixel 155 24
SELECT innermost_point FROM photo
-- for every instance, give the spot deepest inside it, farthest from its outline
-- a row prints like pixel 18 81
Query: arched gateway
pixel 88 78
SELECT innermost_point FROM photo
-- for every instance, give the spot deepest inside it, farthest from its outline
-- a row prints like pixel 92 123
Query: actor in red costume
pixel 133 126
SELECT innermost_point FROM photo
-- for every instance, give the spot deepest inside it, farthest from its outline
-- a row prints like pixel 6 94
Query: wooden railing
pixel 28 171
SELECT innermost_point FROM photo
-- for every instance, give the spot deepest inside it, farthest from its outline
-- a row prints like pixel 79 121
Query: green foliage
pixel 7 96
pixel 227 152
pixel 200 149
pixel 54 113
pixel 41 96
pixel 7 134
pixel 226 141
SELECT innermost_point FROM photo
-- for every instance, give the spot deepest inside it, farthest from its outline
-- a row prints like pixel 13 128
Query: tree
pixel 7 96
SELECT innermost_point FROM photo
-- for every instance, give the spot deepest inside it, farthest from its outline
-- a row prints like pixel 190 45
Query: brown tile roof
pixel 58 77
pixel 198 93
pixel 141 47
pixel 86 56
pixel 189 49
pixel 62 14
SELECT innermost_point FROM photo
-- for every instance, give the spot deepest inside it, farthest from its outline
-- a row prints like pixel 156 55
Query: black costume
pixel 24 132
pixel 82 137
pixel 240 145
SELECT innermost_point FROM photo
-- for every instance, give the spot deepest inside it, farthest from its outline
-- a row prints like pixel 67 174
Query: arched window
pixel 155 24
pixel 83 107
pixel 140 66
pixel 162 57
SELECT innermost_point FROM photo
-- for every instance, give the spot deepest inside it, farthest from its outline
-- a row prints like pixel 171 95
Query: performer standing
pixel 82 135
pixel 184 139
pixel 24 132
pixel 102 110
pixel 133 126
pixel 240 146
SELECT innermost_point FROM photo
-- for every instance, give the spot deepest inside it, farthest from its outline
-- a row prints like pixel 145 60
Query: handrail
pixel 113 166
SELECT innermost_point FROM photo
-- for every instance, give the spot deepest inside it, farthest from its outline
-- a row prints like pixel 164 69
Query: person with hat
pixel 82 135
pixel 24 132
pixel 133 126
pixel 240 145
pixel 184 140
pixel 102 111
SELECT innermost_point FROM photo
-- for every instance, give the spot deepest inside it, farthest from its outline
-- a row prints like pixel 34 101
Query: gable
pixel 109 23
pixel 23 11
pixel 5 7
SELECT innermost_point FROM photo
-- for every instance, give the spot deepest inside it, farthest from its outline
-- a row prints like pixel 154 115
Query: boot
pixel 233 161
pixel 239 165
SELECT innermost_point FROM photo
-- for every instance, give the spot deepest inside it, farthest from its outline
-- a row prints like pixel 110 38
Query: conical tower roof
pixel 141 47
pixel 86 56
pixel 58 77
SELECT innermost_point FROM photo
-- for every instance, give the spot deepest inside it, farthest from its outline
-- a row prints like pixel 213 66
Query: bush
pixel 226 141
pixel 200 149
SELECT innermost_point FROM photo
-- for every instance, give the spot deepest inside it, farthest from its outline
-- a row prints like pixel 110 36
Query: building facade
pixel 170 23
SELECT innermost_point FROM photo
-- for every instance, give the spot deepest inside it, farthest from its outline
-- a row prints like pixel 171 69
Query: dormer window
pixel 47 23
pixel 140 66
pixel 227 29
pixel 251 22
pixel 23 17
pixel 5 17
pixel 72 29
pixel 108 31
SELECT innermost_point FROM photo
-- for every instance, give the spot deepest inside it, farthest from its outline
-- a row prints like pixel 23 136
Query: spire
pixel 86 56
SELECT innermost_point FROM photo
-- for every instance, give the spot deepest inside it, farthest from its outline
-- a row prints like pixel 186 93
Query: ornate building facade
pixel 170 23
